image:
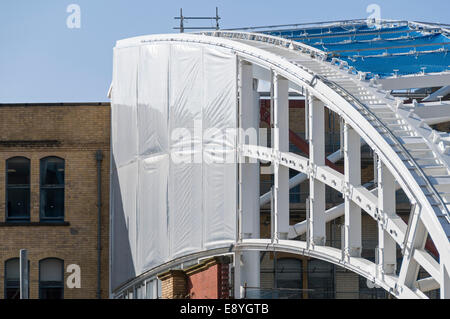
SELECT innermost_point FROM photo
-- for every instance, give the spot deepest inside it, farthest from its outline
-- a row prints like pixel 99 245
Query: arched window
pixel 289 275
pixel 12 279
pixel 51 278
pixel 52 189
pixel 18 189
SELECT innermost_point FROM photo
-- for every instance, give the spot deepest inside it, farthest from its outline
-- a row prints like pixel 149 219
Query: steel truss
pixel 410 156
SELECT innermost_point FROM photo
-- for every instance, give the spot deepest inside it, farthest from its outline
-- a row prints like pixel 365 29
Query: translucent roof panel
pixel 380 49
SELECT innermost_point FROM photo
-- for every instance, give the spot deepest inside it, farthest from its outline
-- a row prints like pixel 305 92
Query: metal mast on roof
pixel 183 18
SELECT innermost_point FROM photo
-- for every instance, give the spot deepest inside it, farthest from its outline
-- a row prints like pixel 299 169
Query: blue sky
pixel 42 60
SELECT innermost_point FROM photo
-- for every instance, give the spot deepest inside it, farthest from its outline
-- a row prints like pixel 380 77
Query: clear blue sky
pixel 41 60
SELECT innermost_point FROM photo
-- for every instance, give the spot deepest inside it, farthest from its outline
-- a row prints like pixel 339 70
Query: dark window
pixel 320 279
pixel 289 278
pixel 18 189
pixel 370 293
pixel 52 188
pixel 12 279
pixel 51 278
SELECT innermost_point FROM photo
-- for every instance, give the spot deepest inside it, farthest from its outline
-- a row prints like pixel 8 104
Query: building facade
pixel 54 198
pixel 293 276
pixel 49 206
pixel 284 275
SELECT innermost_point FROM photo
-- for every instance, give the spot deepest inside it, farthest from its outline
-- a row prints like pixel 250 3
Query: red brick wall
pixel 206 280
pixel 204 284
pixel 224 287
pixel 211 283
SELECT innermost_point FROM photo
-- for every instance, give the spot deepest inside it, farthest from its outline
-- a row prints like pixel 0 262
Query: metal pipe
pixel 99 158
pixel 239 138
pixel 23 274
pixel 391 47
pixel 350 34
pixel 361 22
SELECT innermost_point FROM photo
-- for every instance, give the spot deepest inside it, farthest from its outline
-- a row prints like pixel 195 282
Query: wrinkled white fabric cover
pixel 161 210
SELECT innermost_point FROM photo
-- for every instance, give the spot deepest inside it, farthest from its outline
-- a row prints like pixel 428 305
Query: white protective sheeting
pixel 172 193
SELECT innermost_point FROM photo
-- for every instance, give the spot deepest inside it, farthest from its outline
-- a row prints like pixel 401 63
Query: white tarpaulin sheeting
pixel 163 208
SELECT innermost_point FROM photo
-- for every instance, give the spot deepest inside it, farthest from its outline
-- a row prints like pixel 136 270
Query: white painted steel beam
pixel 249 106
pixel 361 266
pixel 427 284
pixel 364 198
pixel 387 259
pixel 316 137
pixel 445 282
pixel 301 177
pixel 436 95
pixel 281 144
pixel 432 112
pixel 237 275
pixel 415 239
pixel 427 262
pixel 352 174
pixel 249 170
pixel 415 81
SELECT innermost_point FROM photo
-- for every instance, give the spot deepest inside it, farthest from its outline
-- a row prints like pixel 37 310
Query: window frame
pixel 25 218
pixel 42 187
pixel 40 287
pixel 5 281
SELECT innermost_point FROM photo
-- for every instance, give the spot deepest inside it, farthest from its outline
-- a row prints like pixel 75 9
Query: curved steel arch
pixel 430 215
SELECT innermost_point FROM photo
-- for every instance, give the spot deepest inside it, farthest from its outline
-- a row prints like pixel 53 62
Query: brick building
pixel 49 158
pixel 48 205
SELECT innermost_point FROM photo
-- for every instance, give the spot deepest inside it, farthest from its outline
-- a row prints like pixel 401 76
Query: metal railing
pixel 315 25
pixel 287 43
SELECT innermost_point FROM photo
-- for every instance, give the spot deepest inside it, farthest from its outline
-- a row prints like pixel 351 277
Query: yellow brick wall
pixel 174 285
pixel 80 130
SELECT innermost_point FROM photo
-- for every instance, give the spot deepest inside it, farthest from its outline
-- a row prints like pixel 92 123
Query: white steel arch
pixel 409 153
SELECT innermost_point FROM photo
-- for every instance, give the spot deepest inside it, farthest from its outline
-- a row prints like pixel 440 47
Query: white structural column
pixel 387 258
pixel 316 137
pixel 249 171
pixel 281 144
pixel 445 282
pixel 237 275
pixel 352 172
